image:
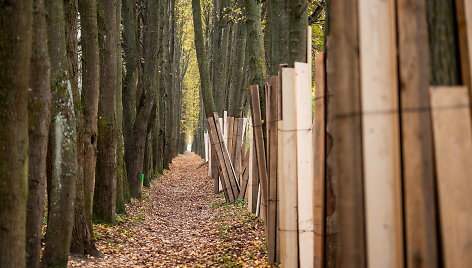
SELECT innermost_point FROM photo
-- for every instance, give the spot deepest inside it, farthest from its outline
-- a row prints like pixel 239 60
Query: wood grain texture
pixel 416 136
pixel 381 148
pixel 453 146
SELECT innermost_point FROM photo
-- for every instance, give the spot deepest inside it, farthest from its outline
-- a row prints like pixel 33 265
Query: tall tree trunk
pixel 121 172
pixel 61 185
pixel 298 23
pixel 39 104
pixel 105 184
pixel 237 87
pixel 255 45
pixel 130 48
pixel 15 45
pixel 82 242
pixel 277 26
pixel 147 100
pixel 206 90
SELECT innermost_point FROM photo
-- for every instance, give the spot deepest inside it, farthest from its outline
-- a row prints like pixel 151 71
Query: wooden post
pixel 464 25
pixel 345 159
pixel 381 134
pixel 287 174
pixel 453 145
pixel 416 135
pixel 319 129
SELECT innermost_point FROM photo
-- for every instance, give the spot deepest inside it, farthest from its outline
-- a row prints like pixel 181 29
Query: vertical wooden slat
pixel 417 141
pixel 255 177
pixel 464 26
pixel 453 146
pixel 287 173
pixel 229 144
pixel 260 148
pixel 381 148
pixel 319 129
pixel 347 176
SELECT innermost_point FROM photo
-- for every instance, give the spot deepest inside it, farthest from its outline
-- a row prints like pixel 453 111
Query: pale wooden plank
pixel 380 130
pixel 251 179
pixel 416 136
pixel 319 130
pixel 287 174
pixel 229 144
pixel 453 146
pixel 304 149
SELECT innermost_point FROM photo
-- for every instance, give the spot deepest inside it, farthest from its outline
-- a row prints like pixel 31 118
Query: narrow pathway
pixel 181 223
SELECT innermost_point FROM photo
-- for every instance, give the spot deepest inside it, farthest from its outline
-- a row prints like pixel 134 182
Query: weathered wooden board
pixel 319 132
pixel 251 178
pixel 416 136
pixel 238 127
pixel 453 146
pixel 380 132
pixel 230 138
pixel 229 197
pixel 245 177
pixel 260 148
pixel 287 173
pixel 254 190
pixel 229 166
pixel 272 119
pixel 464 26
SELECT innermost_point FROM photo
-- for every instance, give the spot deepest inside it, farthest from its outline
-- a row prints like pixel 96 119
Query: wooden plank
pixel 229 197
pixel 229 144
pixel 416 136
pixel 272 119
pixel 303 107
pixel 319 130
pixel 229 166
pixel 260 148
pixel 464 26
pixel 381 148
pixel 346 238
pixel 287 175
pixel 238 147
pixel 453 146
pixel 245 177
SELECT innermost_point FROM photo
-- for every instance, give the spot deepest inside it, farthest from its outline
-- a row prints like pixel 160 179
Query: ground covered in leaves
pixel 181 223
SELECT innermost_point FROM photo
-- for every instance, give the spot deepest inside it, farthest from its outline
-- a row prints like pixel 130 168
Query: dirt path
pixel 181 223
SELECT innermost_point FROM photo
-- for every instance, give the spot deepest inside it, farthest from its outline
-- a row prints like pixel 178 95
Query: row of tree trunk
pixel 90 102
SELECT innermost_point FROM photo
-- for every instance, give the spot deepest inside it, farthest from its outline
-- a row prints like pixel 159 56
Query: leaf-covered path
pixel 181 223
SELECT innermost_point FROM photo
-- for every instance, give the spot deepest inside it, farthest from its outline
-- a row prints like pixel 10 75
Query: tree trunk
pixel 105 183
pixel 82 234
pixel 15 45
pixel 237 87
pixel 207 93
pixel 39 104
pixel 277 26
pixel 121 172
pixel 255 46
pixel 131 56
pixel 298 23
pixel 61 185
pixel 147 100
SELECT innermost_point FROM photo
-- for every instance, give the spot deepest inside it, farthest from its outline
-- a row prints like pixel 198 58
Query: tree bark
pixel 105 183
pixel 237 88
pixel 298 23
pixel 15 45
pixel 61 185
pixel 277 26
pixel 207 93
pixel 39 104
pixel 82 234
pixel 147 100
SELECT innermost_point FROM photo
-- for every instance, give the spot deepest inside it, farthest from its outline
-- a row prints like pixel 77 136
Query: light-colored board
pixel 304 166
pixel 206 144
pixel 287 173
pixel 419 195
pixel 380 132
pixel 237 143
pixel 453 146
pixel 245 177
pixel 220 121
pixel 319 132
pixel 230 137
pixel 250 183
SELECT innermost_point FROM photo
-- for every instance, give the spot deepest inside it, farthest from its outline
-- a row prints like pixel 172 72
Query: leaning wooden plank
pixel 304 165
pixel 272 119
pixel 229 166
pixel 215 173
pixel 229 145
pixel 229 197
pixel 260 148
pixel 319 131
pixel 238 126
pixel 255 178
pixel 245 180
pixel 287 173
pixel 250 181
pixel 416 136
pixel 453 146
pixel 381 148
